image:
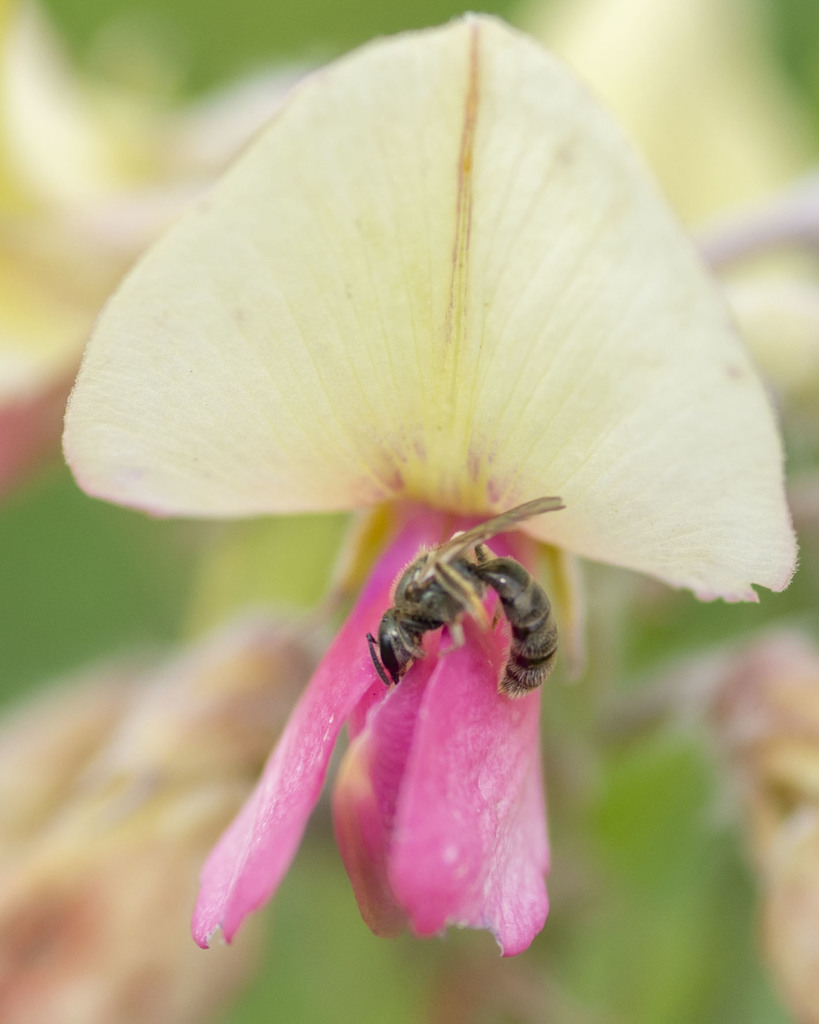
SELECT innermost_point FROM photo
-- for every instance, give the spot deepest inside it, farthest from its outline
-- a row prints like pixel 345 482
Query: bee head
pixel 391 645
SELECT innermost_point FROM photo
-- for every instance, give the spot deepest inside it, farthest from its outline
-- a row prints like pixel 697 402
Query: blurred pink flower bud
pixel 768 713
pixel 119 785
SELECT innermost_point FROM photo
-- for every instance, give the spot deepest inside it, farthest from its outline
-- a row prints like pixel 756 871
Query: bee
pixel 443 585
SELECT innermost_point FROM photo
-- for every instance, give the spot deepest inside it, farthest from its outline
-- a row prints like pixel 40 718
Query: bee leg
pixel 456 633
pixel 415 648
pixel 481 553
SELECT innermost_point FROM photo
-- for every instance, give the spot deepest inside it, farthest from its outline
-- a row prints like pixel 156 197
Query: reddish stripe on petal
pixel 250 859
pixel 469 843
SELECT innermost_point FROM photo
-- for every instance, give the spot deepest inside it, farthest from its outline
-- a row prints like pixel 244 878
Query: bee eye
pixel 389 658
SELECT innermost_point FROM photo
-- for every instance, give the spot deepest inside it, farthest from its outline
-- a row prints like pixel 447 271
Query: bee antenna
pixel 379 668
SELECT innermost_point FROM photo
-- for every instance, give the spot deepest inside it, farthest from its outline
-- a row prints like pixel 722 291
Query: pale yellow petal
pixel 567 593
pixel 274 353
pixel 440 273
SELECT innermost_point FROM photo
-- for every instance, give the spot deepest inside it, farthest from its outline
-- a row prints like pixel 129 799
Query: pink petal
pixel 365 797
pixel 469 843
pixel 501 887
pixel 252 856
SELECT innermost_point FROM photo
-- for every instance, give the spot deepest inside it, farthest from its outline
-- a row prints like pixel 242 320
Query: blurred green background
pixel 653 918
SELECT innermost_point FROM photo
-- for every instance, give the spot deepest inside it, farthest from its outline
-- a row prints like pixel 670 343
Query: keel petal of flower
pixel 439 805
pixel 469 841
pixel 366 795
pixel 252 856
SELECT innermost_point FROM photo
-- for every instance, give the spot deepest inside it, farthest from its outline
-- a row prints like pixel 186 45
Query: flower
pixel 113 788
pixel 766 710
pixel 85 184
pixel 719 125
pixel 439 282
pixel 727 139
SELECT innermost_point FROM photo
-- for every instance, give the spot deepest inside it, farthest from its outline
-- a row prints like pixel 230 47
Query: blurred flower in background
pixel 698 87
pixel 767 255
pixel 766 708
pixel 89 175
pixel 113 787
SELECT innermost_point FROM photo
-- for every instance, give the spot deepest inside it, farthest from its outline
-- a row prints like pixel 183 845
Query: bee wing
pixel 455 584
pixel 467 539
